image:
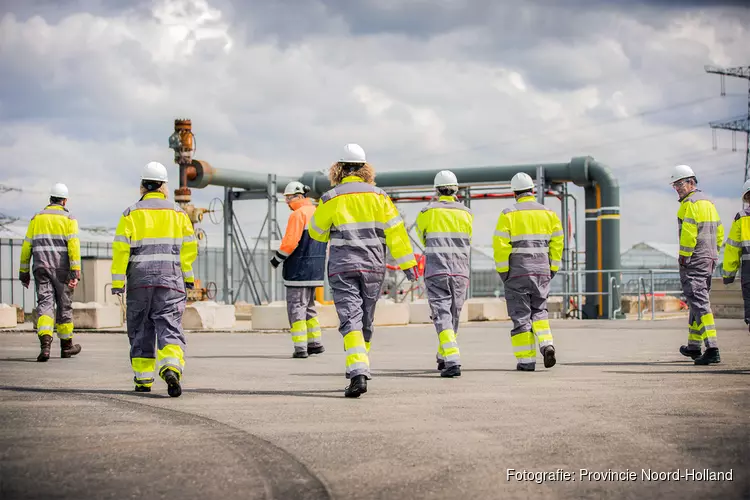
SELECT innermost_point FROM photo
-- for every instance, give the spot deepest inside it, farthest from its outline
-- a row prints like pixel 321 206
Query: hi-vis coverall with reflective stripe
pixel 52 239
pixel 154 249
pixel 701 236
pixel 528 245
pixel 737 256
pixel 359 220
pixel 445 229
pixel 304 265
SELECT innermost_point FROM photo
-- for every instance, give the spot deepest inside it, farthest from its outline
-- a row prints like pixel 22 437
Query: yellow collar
pixel 446 198
pixel 149 196
pixel 524 199
pixel 351 178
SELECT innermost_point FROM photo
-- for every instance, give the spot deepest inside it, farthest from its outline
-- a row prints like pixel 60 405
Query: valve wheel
pixel 216 211
pixel 211 290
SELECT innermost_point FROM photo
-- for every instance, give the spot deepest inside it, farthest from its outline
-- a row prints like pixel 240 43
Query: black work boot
pixel 173 383
pixel 299 354
pixel 142 388
pixel 315 349
pixel 45 341
pixel 549 356
pixel 526 367
pixel 711 356
pixel 357 385
pixel 453 371
pixel 690 352
pixel 67 349
pixel 441 365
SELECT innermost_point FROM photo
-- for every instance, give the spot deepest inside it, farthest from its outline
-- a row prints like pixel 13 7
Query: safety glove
pixel 683 261
pixel 275 262
pixel 728 280
pixel 25 278
pixel 189 285
pixel 411 273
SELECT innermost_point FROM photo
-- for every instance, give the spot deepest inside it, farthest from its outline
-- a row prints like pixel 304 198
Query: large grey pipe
pixel 602 198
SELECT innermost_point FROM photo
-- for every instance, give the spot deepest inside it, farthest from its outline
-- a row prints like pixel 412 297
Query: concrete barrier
pixel 726 300
pixel 270 316
pixel 243 311
pixel 8 316
pixel 419 312
pixel 389 313
pixel 20 315
pixel 327 315
pixel 208 315
pixel 92 316
pixel 486 309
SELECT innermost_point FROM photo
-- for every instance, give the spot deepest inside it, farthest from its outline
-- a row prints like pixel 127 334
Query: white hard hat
pixel 745 188
pixel 294 187
pixel 681 172
pixel 521 182
pixel 353 153
pixel 155 171
pixel 59 190
pixel 445 178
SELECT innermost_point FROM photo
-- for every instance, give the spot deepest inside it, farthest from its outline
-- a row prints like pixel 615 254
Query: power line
pixel 598 124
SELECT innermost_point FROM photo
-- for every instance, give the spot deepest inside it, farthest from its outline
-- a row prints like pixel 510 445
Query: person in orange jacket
pixel 304 264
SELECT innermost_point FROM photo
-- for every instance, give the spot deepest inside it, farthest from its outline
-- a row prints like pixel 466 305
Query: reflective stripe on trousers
pixel 696 286
pixel 355 295
pixel 526 298
pixel 303 318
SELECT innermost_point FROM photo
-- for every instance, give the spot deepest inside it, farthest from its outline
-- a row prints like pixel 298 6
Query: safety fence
pixel 209 269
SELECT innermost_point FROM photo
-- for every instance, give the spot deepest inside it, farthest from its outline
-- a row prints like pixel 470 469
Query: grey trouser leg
pixel 297 305
pixel 746 297
pixel 526 298
pixel 696 285
pixel 446 296
pixel 54 300
pixel 355 295
pixel 154 318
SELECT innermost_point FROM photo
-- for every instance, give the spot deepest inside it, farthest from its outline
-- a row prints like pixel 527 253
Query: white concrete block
pixel 419 312
pixel 327 315
pixel 92 315
pixel 270 317
pixel 208 315
pixel 243 311
pixel 8 316
pixel 487 309
pixel 389 313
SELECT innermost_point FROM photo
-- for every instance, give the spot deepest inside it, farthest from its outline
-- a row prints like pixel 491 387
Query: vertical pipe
pixel 271 231
pixel 467 202
pixel 228 245
pixel 540 184
pixel 653 299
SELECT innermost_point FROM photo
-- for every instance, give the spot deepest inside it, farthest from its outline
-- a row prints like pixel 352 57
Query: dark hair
pixel 523 193
pixel 447 190
pixel 150 185
pixel 55 199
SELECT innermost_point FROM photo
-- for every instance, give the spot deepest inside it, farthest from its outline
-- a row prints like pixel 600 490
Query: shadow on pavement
pixel 243 356
pixel 19 360
pixel 627 363
pixel 406 373
pixel 739 371
pixel 324 393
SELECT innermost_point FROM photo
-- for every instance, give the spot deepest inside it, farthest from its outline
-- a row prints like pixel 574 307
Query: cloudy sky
pixel 90 89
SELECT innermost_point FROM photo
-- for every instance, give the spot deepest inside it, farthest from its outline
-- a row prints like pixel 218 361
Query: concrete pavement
pixel 255 423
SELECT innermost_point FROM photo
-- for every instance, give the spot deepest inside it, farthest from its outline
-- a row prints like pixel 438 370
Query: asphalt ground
pixel 254 423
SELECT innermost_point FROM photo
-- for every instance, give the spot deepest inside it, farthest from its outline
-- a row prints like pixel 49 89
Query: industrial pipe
pixel 602 203
pixel 201 174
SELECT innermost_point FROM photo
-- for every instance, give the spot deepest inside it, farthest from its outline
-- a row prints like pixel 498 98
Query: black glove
pixel 275 262
pixel 189 285
pixel 552 274
pixel 503 276
pixel 25 278
pixel 411 274
pixel 728 280
pixel 118 291
pixel 683 261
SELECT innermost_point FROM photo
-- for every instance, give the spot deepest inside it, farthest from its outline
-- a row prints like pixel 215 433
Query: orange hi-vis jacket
pixel 304 258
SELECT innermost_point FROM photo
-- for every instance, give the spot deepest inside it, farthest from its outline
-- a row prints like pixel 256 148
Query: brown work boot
pixel 46 342
pixel 68 349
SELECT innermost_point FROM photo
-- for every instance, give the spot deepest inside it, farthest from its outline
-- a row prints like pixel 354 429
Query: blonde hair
pixel 162 189
pixel 338 171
